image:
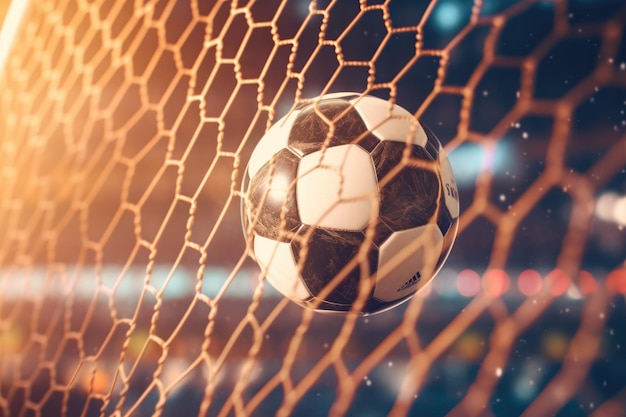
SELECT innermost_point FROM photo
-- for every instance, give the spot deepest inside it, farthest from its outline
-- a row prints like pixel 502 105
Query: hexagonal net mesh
pixel 126 285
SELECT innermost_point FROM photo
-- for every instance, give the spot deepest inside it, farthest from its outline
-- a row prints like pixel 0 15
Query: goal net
pixel 126 284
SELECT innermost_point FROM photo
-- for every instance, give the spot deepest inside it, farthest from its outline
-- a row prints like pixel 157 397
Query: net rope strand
pixel 103 113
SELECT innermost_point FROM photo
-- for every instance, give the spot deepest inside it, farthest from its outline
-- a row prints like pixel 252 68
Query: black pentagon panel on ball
pixel 310 131
pixel 448 241
pixel 445 219
pixel 272 203
pixel 324 256
pixel 408 194
pixel 432 144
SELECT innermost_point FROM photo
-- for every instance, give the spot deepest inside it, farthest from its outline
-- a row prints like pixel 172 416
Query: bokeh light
pixel 616 281
pixel 554 345
pixel 586 282
pixel 619 211
pixel 529 282
pixel 470 159
pixel 468 283
pixel 448 15
pixel 559 282
pixel 470 346
pixel 611 207
pixel 496 282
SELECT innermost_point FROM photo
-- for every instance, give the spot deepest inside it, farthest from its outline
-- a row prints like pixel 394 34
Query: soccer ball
pixel 349 203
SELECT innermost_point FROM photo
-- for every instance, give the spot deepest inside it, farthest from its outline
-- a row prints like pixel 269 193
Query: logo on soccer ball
pixel 413 281
pixel 345 194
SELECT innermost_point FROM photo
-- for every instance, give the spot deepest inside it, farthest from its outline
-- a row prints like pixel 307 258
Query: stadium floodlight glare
pixel 611 207
pixel 9 27
pixel 619 211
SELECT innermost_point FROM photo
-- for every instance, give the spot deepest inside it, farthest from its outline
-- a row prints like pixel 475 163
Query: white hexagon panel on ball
pixel 407 261
pixel 277 262
pixel 337 188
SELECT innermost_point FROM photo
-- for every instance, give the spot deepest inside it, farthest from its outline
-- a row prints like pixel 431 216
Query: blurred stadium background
pixel 122 126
